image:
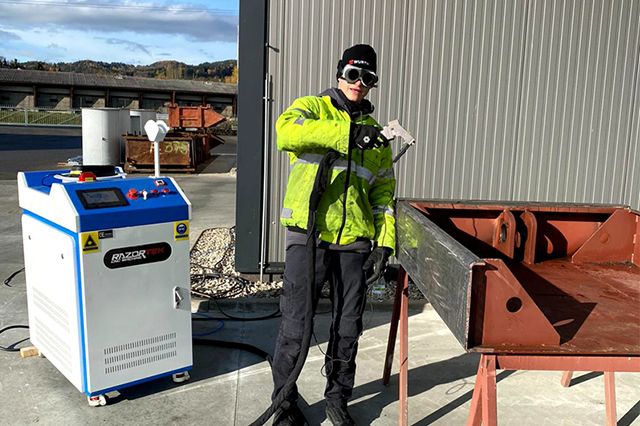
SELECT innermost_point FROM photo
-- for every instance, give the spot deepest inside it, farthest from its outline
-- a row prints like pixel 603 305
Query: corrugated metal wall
pixel 508 99
pixel 577 101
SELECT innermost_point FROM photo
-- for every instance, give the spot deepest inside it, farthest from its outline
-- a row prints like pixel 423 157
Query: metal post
pixel 610 398
pixel 156 158
pixel 484 405
pixel 404 352
pixel 489 396
pixel 265 170
pixel 566 379
pixel 253 36
pixel 393 329
pixel 475 411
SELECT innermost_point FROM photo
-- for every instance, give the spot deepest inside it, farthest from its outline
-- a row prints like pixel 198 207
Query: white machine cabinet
pixel 107 271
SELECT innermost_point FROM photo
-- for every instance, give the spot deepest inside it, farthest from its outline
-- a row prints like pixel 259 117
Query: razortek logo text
pixel 129 256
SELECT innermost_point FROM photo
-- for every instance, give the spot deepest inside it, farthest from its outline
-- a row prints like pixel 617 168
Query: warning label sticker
pixel 181 230
pixel 90 242
pixel 105 234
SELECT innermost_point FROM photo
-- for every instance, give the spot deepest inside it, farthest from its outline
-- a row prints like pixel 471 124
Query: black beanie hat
pixel 360 55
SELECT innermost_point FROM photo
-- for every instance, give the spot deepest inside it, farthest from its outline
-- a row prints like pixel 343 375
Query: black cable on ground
pixel 319 186
pixel 10 348
pixel 8 280
pixel 235 290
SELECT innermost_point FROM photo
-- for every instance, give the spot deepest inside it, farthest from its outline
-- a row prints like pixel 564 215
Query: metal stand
pixel 483 409
pixel 400 315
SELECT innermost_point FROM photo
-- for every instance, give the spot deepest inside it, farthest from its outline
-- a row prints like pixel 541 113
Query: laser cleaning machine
pixel 107 273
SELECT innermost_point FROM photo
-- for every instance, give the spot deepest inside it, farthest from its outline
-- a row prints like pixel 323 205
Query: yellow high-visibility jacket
pixel 356 206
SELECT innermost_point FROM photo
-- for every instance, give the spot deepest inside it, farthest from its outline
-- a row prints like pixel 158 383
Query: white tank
pixel 139 117
pixel 101 134
pixel 125 128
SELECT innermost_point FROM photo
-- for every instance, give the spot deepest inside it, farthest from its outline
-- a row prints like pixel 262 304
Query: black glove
pixel 365 136
pixel 376 262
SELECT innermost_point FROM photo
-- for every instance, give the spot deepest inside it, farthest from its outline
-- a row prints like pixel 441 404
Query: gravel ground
pixel 213 272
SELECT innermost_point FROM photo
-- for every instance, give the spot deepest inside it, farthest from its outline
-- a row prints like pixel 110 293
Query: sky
pixel 137 32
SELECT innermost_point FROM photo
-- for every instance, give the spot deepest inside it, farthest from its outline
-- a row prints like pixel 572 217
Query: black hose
pixel 11 347
pixel 8 280
pixel 319 186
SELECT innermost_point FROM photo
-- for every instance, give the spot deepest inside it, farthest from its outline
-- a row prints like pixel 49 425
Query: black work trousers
pixel 343 269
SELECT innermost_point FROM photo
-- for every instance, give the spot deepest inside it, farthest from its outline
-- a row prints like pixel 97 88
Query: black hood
pixel 340 101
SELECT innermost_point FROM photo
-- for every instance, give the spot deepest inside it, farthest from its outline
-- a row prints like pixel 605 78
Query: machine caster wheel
pixel 97 401
pixel 181 377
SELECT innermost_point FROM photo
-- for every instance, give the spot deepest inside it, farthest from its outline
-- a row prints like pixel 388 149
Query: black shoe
pixel 339 416
pixel 290 417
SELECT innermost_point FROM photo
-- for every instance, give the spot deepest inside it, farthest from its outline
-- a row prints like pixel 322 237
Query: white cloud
pixel 131 46
pixel 56 47
pixel 189 20
pixel 8 36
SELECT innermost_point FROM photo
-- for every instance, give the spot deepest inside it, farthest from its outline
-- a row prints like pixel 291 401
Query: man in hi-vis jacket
pixel 354 221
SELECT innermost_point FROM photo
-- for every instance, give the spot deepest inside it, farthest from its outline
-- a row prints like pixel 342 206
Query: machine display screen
pixel 101 198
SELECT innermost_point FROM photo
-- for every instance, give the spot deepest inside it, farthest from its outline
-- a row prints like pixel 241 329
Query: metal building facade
pixel 529 100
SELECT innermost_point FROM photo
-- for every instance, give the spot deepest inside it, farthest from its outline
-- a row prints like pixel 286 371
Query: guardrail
pixel 40 117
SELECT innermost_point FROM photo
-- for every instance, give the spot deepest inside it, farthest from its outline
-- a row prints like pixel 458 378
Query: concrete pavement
pixel 232 387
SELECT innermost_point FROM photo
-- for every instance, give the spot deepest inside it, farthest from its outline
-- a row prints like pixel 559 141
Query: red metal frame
pixel 400 316
pixel 550 287
pixel 483 409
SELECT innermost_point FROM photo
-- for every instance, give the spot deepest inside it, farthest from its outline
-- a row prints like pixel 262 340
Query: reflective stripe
pixel 383 209
pixel 309 159
pixel 303 112
pixel 386 174
pixel 299 121
pixel 360 171
pixel 286 213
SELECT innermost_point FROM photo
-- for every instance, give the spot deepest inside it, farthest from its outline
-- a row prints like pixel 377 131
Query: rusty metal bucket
pixel 180 151
pixel 193 117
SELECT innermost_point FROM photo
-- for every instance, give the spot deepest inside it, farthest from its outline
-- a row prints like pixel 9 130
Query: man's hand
pixel 376 264
pixel 365 136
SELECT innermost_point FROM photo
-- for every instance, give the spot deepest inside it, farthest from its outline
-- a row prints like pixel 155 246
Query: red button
pixel 132 194
pixel 165 191
pixel 87 177
pixel 154 192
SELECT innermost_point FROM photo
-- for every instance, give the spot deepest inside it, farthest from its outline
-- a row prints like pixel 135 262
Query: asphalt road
pixel 36 148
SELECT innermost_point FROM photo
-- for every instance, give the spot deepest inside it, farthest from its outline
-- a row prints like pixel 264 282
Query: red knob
pixel 165 191
pixel 132 194
pixel 154 192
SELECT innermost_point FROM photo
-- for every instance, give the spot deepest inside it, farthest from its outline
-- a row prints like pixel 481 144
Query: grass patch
pixel 12 116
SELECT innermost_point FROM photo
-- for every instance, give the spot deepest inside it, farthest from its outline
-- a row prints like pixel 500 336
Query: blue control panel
pixel 117 203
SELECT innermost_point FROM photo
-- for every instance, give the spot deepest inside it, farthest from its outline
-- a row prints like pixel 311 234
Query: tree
pixel 14 64
pixel 233 78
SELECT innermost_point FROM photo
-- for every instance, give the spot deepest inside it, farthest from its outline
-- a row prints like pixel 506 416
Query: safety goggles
pixel 351 74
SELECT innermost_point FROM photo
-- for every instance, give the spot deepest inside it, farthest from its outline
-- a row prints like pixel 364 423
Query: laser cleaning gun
pixel 395 130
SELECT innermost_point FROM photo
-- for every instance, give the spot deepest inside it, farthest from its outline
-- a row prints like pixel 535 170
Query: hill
pixel 210 71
